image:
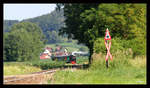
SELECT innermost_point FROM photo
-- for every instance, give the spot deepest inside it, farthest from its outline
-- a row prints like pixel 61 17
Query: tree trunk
pixel 90 57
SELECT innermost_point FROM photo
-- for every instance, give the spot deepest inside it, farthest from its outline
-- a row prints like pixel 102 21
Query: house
pixel 46 54
pixel 49 49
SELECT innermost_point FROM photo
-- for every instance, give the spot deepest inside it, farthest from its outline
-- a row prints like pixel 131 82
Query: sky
pixel 24 11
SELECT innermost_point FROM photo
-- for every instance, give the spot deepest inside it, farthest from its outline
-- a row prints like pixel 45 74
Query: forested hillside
pixel 8 23
pixel 49 23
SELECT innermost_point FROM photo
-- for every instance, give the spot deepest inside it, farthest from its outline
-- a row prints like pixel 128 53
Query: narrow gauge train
pixel 67 58
pixel 59 55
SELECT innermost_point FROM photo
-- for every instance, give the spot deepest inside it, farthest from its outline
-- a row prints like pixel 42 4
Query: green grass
pixel 120 71
pixel 82 59
pixel 17 68
pixel 48 64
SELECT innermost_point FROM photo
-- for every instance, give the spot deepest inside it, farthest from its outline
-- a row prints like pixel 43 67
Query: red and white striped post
pixel 107 37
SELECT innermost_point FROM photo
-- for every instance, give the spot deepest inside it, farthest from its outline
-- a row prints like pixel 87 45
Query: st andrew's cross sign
pixel 107 37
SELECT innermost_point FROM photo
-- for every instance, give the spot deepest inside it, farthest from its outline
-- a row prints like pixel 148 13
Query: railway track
pixel 37 77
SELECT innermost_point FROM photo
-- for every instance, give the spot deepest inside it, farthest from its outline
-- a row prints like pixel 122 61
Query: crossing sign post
pixel 107 37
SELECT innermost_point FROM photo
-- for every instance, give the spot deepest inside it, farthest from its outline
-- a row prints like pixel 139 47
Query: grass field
pixel 17 68
pixel 120 71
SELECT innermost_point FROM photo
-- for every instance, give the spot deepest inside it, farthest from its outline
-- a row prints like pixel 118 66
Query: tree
pixel 8 23
pixel 72 14
pixel 87 22
pixel 125 21
pixel 53 37
pixel 24 42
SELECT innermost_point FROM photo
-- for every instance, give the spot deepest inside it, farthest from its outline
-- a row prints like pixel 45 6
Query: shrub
pixel 99 45
pixel 48 64
pixel 131 47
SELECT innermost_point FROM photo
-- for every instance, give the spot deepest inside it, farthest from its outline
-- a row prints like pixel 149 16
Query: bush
pixel 99 45
pixel 128 47
pixel 138 46
pixel 48 64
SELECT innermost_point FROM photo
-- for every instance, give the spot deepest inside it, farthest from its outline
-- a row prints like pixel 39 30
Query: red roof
pixel 43 56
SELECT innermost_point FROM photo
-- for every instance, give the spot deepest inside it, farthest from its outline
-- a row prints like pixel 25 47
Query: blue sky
pixel 24 11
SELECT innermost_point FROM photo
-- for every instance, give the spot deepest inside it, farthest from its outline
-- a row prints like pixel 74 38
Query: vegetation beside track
pixel 122 70
pixel 17 68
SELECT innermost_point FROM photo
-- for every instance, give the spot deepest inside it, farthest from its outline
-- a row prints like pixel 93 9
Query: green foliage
pixel 48 64
pixel 8 23
pixel 120 71
pixel 86 23
pixel 99 45
pixel 81 59
pixel 24 42
pixel 49 23
pixel 126 21
pixel 73 23
pixel 137 46
pixel 53 37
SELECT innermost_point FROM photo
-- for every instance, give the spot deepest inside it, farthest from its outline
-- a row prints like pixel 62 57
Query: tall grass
pixel 17 68
pixel 121 70
pixel 82 59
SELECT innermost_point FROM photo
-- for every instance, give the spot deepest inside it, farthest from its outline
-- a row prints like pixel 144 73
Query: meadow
pixel 18 68
pixel 122 70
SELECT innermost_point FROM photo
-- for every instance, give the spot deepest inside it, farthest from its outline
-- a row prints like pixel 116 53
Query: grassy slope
pixel 120 71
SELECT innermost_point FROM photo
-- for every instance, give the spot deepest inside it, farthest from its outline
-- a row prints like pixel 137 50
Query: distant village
pixel 59 51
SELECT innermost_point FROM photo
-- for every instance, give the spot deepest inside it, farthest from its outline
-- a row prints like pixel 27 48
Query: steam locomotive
pixel 59 55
